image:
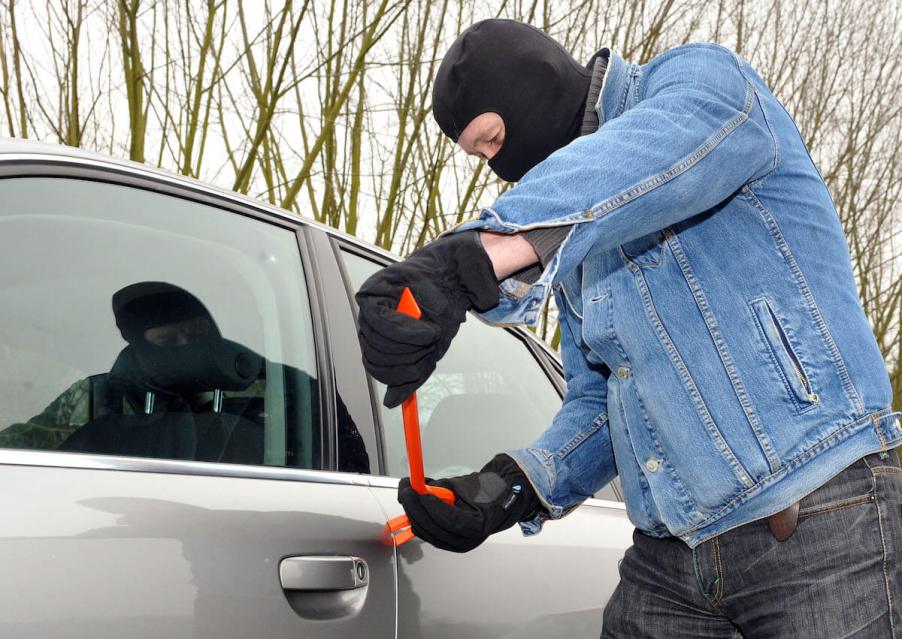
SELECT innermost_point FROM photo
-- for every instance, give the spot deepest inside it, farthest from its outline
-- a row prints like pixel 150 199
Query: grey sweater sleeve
pixel 545 241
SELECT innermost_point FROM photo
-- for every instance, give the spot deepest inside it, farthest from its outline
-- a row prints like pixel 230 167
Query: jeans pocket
pixel 853 486
pixel 832 506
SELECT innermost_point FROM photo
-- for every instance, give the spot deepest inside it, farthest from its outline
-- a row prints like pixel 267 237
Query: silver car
pixel 241 488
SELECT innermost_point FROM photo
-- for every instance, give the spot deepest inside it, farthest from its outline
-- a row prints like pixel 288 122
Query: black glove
pixel 448 277
pixel 492 500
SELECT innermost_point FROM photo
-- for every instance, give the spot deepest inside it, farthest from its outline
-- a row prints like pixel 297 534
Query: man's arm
pixel 508 253
pixel 568 463
pixel 697 136
pixel 574 457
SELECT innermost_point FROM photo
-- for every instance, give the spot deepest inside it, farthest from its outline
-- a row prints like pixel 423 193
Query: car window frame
pixel 52 165
pixel 331 284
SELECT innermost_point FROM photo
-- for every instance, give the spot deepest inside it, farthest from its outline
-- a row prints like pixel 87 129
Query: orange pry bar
pixel 399 527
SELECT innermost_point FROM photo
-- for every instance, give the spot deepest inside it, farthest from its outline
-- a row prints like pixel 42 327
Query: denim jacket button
pixel 652 465
pixel 623 372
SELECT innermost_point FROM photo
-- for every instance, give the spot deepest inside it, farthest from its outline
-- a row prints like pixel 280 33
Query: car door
pixel 174 459
pixel 491 393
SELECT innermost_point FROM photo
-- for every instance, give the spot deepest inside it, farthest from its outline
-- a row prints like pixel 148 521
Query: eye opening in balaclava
pixel 522 74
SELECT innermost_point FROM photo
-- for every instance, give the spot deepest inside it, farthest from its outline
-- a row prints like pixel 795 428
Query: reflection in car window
pixel 487 394
pixel 141 324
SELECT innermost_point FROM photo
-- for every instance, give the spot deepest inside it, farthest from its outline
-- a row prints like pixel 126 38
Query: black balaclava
pixel 205 363
pixel 523 75
pixel 145 305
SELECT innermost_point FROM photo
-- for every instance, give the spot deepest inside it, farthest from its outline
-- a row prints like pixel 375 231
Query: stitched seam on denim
pixel 610 334
pixel 866 462
pixel 770 127
pixel 792 464
pixel 637 83
pixel 773 357
pixel 830 510
pixel 795 362
pixel 518 228
pixel 813 308
pixel 690 509
pixel 596 425
pixel 606 206
pixel 718 567
pixel 625 91
pixel 603 208
pixel 698 572
pixel 599 103
pixel 882 440
pixel 563 290
pixel 842 504
pixel 627 259
pixel 689 383
pixel 771 350
pixel 889 594
pixel 701 301
pixel 879 433
pixel 643 481
pixel 886 470
pixel 791 346
pixel 545 459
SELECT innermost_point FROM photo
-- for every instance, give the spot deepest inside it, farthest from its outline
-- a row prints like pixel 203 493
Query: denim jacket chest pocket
pixel 645 251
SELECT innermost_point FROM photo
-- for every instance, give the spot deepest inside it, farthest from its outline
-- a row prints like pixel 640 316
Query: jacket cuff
pixel 519 302
pixel 540 475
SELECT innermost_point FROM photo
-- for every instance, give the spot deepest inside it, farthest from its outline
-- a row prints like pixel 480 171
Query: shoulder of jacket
pixel 695 53
pixel 702 62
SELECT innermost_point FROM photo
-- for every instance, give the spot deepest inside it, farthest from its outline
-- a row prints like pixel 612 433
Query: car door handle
pixel 323 573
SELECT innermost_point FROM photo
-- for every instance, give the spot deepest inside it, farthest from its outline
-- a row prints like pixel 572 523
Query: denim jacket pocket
pixel 788 363
pixel 644 251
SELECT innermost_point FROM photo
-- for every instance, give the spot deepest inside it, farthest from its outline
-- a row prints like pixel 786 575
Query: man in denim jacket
pixel 717 357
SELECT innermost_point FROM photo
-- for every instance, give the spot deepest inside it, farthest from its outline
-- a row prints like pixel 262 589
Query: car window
pixel 486 395
pixel 136 323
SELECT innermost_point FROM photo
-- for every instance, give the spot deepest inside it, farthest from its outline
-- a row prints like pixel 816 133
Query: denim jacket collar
pixel 612 100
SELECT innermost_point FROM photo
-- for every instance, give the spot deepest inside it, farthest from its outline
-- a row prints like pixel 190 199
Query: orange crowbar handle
pixel 399 527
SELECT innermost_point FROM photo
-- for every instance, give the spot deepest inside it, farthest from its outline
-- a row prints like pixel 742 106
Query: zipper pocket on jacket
pixel 782 350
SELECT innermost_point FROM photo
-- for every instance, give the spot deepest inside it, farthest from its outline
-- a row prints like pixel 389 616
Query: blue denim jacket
pixel 716 354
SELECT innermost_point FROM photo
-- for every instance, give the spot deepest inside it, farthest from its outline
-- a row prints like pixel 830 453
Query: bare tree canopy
pixel 323 107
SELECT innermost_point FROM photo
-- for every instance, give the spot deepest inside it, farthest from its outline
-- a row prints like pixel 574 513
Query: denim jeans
pixel 838 575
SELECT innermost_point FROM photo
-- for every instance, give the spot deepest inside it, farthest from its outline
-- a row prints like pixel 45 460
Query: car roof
pixel 17 149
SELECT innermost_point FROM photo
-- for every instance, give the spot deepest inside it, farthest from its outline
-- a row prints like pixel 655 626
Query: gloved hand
pixel 447 277
pixel 492 500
